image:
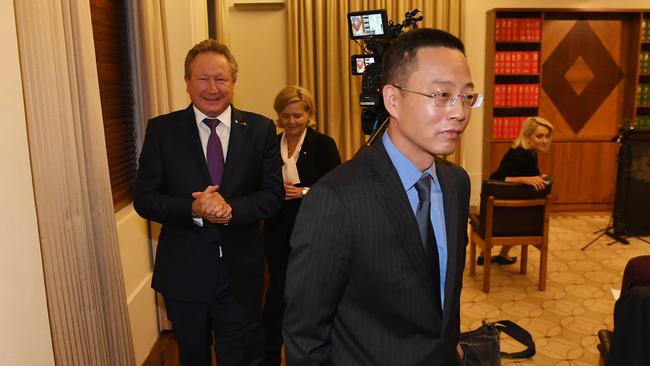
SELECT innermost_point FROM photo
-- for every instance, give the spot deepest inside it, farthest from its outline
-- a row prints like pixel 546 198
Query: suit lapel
pixel 391 195
pixel 190 134
pixel 305 151
pixel 450 204
pixel 236 146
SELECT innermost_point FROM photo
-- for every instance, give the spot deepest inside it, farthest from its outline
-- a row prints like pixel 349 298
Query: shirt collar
pixel 408 173
pixel 224 117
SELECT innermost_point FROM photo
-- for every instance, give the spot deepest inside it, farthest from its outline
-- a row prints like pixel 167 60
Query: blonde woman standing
pixel 307 155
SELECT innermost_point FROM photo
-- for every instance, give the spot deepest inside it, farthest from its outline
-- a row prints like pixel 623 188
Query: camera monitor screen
pixel 360 63
pixel 368 24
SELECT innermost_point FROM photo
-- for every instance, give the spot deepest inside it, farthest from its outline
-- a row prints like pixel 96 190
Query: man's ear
pixel 391 97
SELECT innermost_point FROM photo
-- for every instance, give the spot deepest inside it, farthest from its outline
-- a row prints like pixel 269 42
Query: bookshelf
pixel 583 70
pixel 642 121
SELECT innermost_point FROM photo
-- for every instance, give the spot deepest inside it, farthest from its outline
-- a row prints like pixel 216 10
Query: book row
pixel 506 127
pixel 643 95
pixel 644 62
pixel 516 62
pixel 518 29
pixel 516 95
pixel 645 30
pixel 643 122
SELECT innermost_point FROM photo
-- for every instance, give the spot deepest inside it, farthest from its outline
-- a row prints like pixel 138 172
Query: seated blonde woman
pixel 519 165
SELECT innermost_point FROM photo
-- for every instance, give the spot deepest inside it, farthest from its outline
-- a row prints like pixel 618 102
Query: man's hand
pixel 211 206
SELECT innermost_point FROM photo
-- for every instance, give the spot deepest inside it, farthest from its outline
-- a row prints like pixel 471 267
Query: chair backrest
pixel 513 221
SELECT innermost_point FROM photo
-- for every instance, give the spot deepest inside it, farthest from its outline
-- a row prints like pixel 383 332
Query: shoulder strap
pixel 519 334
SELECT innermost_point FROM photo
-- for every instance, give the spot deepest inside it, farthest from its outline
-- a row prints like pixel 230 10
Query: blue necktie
pixel 214 152
pixel 423 217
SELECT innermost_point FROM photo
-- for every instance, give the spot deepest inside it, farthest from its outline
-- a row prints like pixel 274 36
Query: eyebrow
pixel 447 82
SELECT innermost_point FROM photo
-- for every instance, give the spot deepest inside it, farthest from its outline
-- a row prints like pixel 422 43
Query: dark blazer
pixel 172 166
pixel 359 289
pixel 517 162
pixel 318 156
pixel 631 323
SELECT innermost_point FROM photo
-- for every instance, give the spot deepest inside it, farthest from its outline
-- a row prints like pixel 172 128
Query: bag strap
pixel 519 334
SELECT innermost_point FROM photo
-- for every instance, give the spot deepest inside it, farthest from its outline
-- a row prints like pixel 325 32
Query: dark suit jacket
pixel 636 273
pixel 631 323
pixel 172 166
pixel 318 156
pixel 359 289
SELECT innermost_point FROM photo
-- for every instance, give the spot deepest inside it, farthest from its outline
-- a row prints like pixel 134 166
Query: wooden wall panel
pixel 584 173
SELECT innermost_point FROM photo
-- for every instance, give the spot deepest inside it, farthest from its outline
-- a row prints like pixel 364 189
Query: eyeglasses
pixel 444 99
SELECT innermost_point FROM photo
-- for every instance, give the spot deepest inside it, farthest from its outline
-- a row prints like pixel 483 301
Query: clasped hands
pixel 211 206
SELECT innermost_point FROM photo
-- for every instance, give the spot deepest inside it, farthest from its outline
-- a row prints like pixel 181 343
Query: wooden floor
pixel 164 352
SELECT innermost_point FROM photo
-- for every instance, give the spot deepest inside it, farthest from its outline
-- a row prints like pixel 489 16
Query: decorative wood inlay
pixel 579 75
pixel 578 54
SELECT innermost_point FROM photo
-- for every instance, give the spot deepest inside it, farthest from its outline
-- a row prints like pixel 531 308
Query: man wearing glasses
pixel 378 249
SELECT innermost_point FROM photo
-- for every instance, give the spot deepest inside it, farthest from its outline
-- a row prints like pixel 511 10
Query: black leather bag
pixel 482 346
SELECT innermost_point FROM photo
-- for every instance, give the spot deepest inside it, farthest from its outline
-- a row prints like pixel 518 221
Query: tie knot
pixel 211 122
pixel 423 186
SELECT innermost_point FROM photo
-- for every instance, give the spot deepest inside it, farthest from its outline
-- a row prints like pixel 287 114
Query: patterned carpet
pixel 577 303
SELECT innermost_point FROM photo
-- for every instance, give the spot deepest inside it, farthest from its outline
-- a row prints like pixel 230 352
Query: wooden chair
pixel 510 214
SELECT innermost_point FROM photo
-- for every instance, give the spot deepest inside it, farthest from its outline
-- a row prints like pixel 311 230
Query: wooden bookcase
pixel 642 120
pixel 585 77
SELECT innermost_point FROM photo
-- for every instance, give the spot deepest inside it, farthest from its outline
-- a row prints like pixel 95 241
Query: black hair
pixel 399 61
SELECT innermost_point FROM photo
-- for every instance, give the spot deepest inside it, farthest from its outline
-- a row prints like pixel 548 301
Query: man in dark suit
pixel 210 173
pixel 378 249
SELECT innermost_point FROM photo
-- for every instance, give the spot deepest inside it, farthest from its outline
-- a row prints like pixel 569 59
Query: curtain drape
pixel 320 50
pixel 81 264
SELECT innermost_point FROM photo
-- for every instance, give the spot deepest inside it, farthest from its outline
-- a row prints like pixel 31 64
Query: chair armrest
pixel 475 222
pixel 605 338
pixel 520 203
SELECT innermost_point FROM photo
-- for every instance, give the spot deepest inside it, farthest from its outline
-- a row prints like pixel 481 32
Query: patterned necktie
pixel 423 217
pixel 214 152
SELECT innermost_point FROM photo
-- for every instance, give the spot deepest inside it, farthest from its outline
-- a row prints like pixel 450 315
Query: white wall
pixel 25 330
pixel 186 23
pixel 258 39
pixel 135 256
pixel 474 34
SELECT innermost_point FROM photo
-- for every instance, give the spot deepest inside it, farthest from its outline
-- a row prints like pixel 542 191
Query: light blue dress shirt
pixel 409 174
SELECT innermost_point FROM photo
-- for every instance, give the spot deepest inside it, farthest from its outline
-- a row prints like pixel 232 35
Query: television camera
pixel 377 33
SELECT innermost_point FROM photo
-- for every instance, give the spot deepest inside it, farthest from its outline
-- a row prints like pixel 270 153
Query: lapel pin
pixel 243 124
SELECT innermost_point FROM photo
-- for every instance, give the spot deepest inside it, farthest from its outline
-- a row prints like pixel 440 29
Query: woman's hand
pixel 538 182
pixel 292 192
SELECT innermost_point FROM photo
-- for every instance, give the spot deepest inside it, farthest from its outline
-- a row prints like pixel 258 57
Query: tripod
pixel 609 231
pixel 614 234
pixel 618 226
